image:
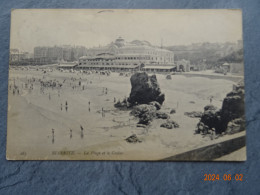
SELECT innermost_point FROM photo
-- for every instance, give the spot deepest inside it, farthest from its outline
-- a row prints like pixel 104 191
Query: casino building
pixel 128 56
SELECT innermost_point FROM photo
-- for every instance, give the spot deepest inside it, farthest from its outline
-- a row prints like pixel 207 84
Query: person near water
pixel 82 135
pixel 52 135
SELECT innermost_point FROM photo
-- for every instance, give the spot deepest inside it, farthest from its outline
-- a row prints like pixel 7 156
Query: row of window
pixel 125 51
pixel 129 58
pixel 92 63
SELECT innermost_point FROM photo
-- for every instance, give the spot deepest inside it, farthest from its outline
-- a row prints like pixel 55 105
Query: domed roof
pixel 138 42
pixel 120 42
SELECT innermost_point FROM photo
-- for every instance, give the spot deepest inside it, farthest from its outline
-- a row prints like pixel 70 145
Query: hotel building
pixel 122 55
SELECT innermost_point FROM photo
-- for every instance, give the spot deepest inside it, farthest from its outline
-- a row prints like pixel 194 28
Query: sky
pixel 92 27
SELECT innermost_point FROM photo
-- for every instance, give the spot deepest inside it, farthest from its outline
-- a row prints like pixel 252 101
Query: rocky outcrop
pixel 236 126
pixel 122 105
pixel 133 139
pixel 173 111
pixel 145 89
pixel 193 114
pixel 229 119
pixel 170 124
pixel 144 112
pixel 162 115
pixel 156 104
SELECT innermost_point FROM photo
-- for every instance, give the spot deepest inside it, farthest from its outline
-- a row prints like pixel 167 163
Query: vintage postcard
pixel 142 85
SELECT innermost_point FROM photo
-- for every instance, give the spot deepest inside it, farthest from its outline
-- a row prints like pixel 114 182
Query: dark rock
pixel 210 107
pixel 234 104
pixel 194 114
pixel 236 126
pixel 133 139
pixel 192 102
pixel 173 111
pixel 122 105
pixel 230 118
pixel 169 77
pixel 211 118
pixel 156 104
pixel 144 112
pixel 162 115
pixel 170 124
pixel 145 89
pixel 141 125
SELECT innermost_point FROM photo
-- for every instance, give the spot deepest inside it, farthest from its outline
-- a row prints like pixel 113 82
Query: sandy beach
pixel 39 127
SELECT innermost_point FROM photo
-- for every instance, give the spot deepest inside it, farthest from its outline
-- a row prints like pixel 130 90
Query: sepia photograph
pixel 126 84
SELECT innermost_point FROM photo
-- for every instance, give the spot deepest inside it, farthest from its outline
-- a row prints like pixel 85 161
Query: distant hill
pixel 236 56
pixel 212 53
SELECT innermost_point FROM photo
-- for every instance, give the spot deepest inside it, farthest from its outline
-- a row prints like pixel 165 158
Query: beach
pixel 78 120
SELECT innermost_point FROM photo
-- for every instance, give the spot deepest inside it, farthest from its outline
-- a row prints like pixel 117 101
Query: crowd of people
pixel 48 86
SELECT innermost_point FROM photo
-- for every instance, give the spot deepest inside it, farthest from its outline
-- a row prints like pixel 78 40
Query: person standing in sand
pixel 70 133
pixel 53 136
pixel 82 135
pixel 66 106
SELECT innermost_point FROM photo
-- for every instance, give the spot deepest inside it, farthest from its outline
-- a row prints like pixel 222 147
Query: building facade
pixel 126 55
pixel 59 53
pixel 17 57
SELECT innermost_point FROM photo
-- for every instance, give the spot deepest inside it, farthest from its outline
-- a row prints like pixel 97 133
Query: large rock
pixel 145 89
pixel 234 105
pixel 230 118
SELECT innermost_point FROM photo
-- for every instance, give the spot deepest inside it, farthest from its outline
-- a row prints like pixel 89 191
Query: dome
pixel 120 42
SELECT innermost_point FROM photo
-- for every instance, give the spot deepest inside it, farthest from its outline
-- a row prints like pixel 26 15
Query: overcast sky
pixel 49 27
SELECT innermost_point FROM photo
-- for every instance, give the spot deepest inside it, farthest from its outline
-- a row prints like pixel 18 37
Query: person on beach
pixel 70 133
pixel 82 135
pixel 52 135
